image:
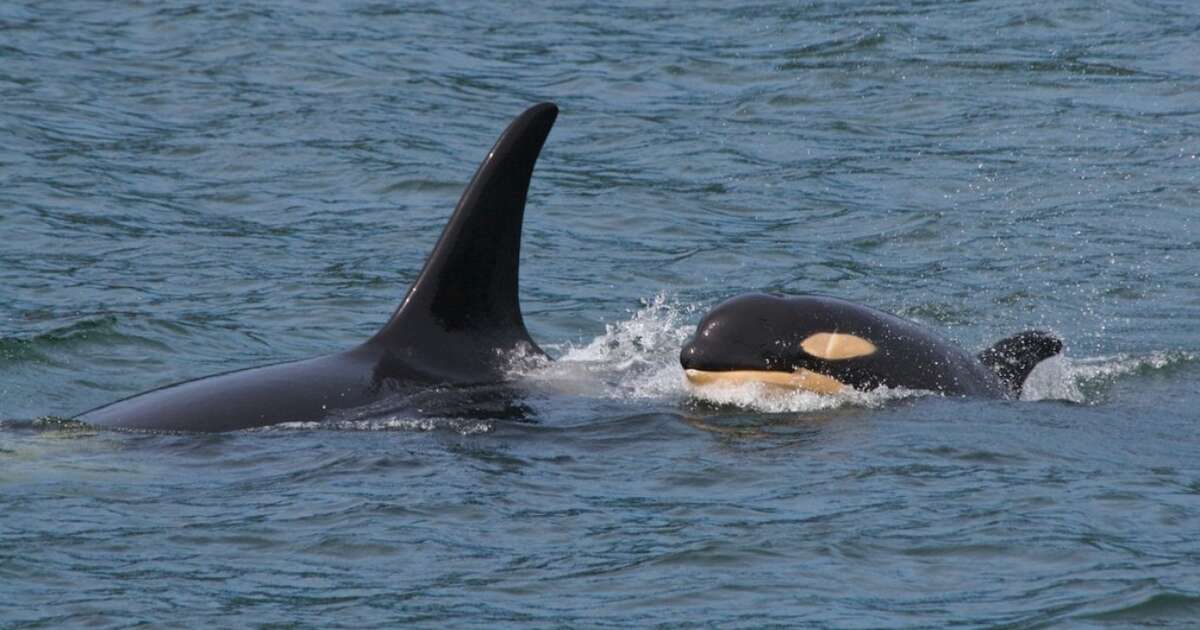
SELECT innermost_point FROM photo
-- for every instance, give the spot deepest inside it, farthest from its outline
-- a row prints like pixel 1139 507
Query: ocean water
pixel 192 187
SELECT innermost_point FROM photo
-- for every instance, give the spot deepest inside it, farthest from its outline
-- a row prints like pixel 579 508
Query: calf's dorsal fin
pixel 1013 358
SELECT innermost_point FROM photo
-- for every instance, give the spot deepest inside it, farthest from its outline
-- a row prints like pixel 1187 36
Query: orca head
pixel 809 343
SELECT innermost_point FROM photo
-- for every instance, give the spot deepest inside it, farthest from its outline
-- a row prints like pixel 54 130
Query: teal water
pixel 187 188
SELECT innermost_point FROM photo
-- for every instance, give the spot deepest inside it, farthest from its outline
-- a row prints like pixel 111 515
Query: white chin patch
pixel 836 346
pixel 800 379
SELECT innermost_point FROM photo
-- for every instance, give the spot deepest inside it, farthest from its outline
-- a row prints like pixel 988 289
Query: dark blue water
pixel 187 188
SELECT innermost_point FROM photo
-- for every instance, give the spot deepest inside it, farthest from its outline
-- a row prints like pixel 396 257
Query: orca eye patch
pixel 836 346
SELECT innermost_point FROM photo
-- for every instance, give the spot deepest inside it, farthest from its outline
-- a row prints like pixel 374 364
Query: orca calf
pixel 459 320
pixel 823 344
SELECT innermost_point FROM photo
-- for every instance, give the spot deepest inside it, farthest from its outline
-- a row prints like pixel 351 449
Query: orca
pixel 825 344
pixel 457 324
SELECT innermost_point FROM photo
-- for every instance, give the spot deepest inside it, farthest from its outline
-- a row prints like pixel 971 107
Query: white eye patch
pixel 836 346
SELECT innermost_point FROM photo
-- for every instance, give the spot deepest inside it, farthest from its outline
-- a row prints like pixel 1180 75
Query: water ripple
pixel 190 188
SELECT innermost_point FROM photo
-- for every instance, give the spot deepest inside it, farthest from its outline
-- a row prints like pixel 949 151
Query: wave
pixel 1082 380
pixel 44 346
pixel 769 399
pixel 635 359
pixel 392 423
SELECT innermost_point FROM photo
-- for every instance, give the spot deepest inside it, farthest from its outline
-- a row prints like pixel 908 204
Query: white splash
pixel 393 423
pixel 1067 378
pixel 634 359
pixel 768 399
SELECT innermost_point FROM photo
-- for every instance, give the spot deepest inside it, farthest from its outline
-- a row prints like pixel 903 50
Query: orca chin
pixel 825 345
pixel 801 379
pixel 456 325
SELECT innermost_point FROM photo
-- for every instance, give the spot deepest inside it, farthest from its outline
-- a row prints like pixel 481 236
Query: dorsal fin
pixel 1013 358
pixel 464 306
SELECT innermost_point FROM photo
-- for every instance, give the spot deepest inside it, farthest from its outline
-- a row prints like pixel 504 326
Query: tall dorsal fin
pixel 468 288
pixel 1013 358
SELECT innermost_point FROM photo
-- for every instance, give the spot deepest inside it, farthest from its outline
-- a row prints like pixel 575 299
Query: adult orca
pixel 824 344
pixel 456 325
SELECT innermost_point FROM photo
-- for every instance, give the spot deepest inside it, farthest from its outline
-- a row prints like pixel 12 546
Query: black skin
pixel 455 326
pixel 761 332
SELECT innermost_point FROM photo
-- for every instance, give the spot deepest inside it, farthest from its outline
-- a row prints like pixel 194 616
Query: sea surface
pixel 193 187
